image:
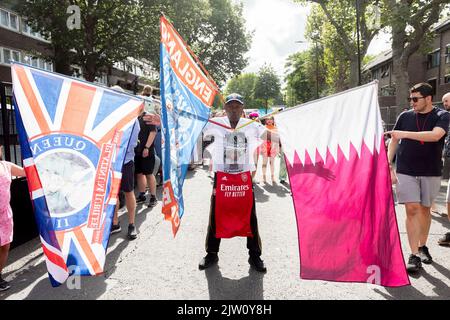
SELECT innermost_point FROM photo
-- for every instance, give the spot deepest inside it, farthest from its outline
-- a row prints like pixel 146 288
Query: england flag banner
pixel 340 181
pixel 187 95
pixel 73 138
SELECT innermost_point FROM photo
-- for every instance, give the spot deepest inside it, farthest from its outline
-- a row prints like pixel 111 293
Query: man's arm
pixel 426 136
pixel 150 139
pixel 152 119
pixel 392 148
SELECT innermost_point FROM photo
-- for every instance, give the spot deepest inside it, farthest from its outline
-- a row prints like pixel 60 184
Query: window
pixel 9 20
pixel 9 55
pixel 6 56
pixel 13 21
pixel 447 79
pixel 385 71
pixel 29 32
pixel 34 62
pixel 4 18
pixel 433 82
pixel 16 56
pixel 433 59
pixel 49 66
pixel 447 54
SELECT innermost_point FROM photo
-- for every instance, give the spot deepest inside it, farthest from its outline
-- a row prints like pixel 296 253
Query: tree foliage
pixel 410 22
pixel 113 30
pixel 335 28
pixel 267 85
pixel 245 84
pixel 300 81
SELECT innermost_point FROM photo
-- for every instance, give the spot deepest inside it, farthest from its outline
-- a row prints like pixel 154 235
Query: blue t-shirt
pixel 421 159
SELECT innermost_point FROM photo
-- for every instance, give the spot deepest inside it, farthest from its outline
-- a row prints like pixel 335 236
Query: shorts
pixel 127 183
pixel 144 165
pixel 6 230
pixel 421 189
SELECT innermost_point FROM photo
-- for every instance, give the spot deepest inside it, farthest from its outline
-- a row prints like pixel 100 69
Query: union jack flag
pixel 73 137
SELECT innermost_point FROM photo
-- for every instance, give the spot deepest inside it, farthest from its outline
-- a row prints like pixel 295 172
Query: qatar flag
pixel 341 187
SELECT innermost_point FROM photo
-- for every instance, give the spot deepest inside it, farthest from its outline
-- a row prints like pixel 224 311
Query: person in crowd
pixel 417 141
pixel 7 171
pixel 231 153
pixel 270 148
pixel 127 183
pixel 144 159
pixel 445 240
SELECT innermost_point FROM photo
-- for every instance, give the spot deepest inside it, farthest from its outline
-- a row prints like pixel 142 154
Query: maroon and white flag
pixel 340 181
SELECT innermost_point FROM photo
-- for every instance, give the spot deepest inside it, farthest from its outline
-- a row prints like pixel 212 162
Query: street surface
pixel 157 266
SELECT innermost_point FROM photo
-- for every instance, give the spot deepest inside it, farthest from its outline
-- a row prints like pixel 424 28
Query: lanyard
pixel 423 126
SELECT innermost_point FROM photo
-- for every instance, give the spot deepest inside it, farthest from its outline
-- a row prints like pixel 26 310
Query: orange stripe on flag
pixel 88 251
pixel 77 108
pixel 32 100
pixel 131 116
pixel 60 237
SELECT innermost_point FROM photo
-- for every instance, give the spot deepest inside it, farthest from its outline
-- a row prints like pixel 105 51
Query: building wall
pixel 16 40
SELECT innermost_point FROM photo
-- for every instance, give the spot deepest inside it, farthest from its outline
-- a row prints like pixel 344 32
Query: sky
pixel 277 25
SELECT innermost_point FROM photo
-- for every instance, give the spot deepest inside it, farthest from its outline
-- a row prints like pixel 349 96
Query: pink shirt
pixel 6 219
pixel 5 191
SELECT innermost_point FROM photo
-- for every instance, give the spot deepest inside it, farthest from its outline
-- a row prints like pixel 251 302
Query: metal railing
pixel 8 131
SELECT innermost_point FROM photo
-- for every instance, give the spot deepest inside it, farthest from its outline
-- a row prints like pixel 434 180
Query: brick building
pixel 432 67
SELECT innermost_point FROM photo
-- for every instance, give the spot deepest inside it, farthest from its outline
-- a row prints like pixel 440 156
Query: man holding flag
pixel 233 211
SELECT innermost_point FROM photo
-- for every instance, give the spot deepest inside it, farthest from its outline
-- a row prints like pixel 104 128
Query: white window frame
pixel 9 26
pixel 27 31
pixel 447 53
pixel 2 55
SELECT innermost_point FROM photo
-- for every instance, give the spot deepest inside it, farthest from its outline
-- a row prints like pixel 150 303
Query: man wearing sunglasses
pixel 417 140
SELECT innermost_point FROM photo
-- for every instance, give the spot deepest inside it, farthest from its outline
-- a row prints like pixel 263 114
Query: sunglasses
pixel 415 99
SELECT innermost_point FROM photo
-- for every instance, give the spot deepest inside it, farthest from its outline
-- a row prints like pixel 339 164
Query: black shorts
pixel 127 183
pixel 144 165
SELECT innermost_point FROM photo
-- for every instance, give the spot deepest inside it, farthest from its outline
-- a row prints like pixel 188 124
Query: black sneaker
pixel 445 240
pixel 425 255
pixel 208 261
pixel 414 264
pixel 115 228
pixel 4 285
pixel 132 234
pixel 257 263
pixel 141 198
pixel 152 202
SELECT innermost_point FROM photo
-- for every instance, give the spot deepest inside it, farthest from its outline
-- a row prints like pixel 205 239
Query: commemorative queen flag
pixel 340 181
pixel 73 138
pixel 187 95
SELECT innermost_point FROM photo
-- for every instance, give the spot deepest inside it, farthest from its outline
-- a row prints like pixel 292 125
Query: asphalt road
pixel 159 267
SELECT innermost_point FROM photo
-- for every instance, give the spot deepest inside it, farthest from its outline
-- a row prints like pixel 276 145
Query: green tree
pixel 267 86
pixel 244 84
pixel 341 15
pixel 300 83
pixel 110 31
pixel 410 22
pixel 113 30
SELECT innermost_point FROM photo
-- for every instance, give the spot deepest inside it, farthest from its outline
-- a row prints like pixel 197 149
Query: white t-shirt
pixel 232 150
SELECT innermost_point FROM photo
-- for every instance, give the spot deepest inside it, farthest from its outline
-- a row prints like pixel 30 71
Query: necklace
pixel 423 126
